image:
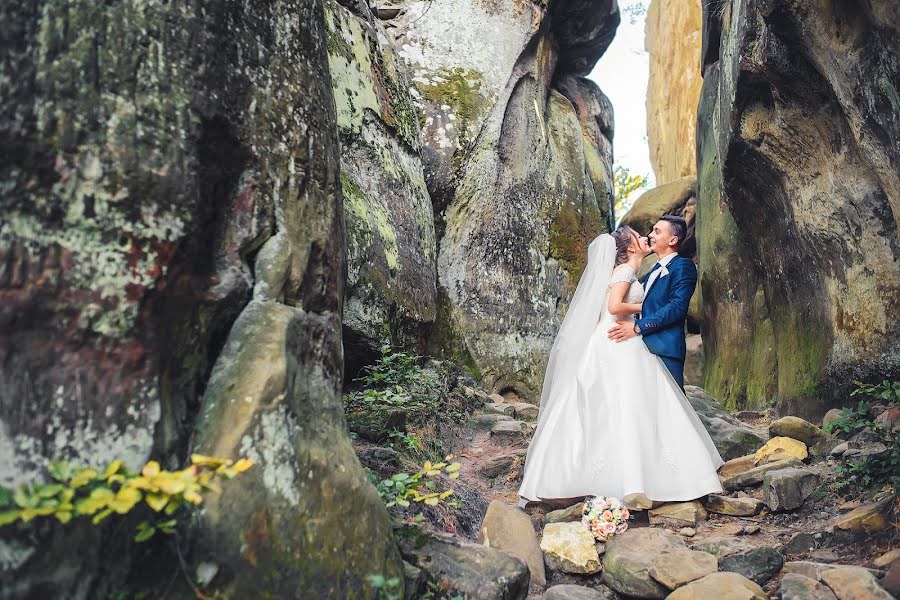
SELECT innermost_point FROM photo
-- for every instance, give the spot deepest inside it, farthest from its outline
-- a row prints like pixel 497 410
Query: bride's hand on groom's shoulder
pixel 624 330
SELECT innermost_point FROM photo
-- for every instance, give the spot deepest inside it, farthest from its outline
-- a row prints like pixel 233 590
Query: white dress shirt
pixel 663 262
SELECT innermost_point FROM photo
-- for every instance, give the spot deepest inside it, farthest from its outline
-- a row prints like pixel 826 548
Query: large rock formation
pixel 172 231
pixel 672 39
pixel 391 253
pixel 799 199
pixel 518 159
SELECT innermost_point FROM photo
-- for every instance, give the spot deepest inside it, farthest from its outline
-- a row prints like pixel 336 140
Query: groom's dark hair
pixel 679 228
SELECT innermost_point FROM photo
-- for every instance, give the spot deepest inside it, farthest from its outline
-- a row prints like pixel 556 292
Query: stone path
pixel 778 530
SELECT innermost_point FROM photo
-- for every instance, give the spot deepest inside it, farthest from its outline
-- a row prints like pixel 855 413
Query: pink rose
pixel 607 516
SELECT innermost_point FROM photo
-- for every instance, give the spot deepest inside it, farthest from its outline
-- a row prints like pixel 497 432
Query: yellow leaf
pixel 82 478
pixel 454 475
pixel 112 469
pixel 426 466
pixel 431 501
pixel 445 494
pixel 64 516
pixel 242 465
pixel 117 478
pixel 98 499
pixel 193 497
pixel 433 472
pixel 453 467
pixel 208 461
pixel 101 515
pixel 157 501
pixel 141 483
pixel 9 516
pixel 168 483
pixel 125 500
pixel 150 469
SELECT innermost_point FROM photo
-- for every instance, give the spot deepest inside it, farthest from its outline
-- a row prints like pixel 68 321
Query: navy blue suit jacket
pixel 665 308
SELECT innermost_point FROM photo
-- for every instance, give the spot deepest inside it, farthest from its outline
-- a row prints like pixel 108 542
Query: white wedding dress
pixel 613 422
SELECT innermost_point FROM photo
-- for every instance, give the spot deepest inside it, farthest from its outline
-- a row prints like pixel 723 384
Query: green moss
pixel 365 218
pixel 460 89
pixel 570 234
pixel 446 341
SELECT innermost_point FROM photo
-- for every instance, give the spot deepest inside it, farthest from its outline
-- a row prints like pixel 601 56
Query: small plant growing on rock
pixel 401 489
pixel 86 492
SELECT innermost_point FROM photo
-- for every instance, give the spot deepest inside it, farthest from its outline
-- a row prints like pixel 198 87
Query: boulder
pixel 787 489
pixel 487 421
pixel 636 502
pixel 800 543
pixel 509 431
pixel 888 420
pixel 755 476
pixel 458 567
pixel 526 411
pixel 572 513
pixel 736 465
pixel 891 580
pixel 814 570
pixel 676 515
pixel 720 547
pixel 797 429
pixel 887 559
pixel 738 507
pixel 721 586
pixel 668 198
pixel 854 583
pixel 509 529
pixel 831 416
pixel 674 568
pixel 567 591
pixel 759 564
pixel 497 465
pixel 499 408
pixel 866 519
pixel 780 448
pixel 799 587
pixel 569 547
pixel 629 557
pixel 731 437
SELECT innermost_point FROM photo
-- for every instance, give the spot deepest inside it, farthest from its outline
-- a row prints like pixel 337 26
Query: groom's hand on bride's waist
pixel 624 330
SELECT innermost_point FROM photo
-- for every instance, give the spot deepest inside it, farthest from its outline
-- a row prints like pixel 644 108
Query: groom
pixel 667 292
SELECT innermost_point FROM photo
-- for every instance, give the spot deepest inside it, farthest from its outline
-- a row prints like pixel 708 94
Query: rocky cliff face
pixel 517 157
pixel 172 251
pixel 798 199
pixel 672 39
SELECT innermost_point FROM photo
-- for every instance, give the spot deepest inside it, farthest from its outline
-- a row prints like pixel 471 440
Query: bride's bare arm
pixel 617 304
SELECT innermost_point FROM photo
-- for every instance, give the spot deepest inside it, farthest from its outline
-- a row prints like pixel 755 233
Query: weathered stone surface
pixel 831 416
pixel 759 564
pixel 572 513
pixel 676 515
pixel 497 465
pixel 173 246
pixel 789 101
pixel 814 570
pixel 472 570
pixel 509 529
pixel 891 580
pixel 738 507
pixel 755 476
pixel 780 448
pixel 570 547
pixel 722 586
pixel 577 592
pixel 869 518
pixel 669 198
pixel 524 410
pixel 674 568
pixel 799 543
pixel 736 465
pixel 799 587
pixel 510 431
pixel 499 408
pixel 887 559
pixel 720 547
pixel 798 429
pixel 854 583
pixel 518 192
pixel 487 421
pixel 629 557
pixel 731 437
pixel 672 40
pixel 391 252
pixel 787 489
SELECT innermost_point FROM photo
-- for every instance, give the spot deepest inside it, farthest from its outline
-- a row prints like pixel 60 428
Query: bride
pixel 613 421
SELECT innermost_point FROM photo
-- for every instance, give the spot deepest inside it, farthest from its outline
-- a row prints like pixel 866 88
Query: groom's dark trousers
pixel 664 311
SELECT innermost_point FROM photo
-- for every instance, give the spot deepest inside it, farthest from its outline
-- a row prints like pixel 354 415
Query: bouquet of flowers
pixel 604 516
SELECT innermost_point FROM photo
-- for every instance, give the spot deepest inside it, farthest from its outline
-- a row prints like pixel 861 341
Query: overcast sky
pixel 622 75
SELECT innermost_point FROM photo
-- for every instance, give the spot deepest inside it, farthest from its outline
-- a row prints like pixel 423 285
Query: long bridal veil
pixel 578 324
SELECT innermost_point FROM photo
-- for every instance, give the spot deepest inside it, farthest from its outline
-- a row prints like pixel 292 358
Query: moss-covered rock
pixel 798 203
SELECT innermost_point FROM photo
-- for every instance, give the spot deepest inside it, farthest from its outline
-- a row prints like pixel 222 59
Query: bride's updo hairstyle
pixel 624 236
